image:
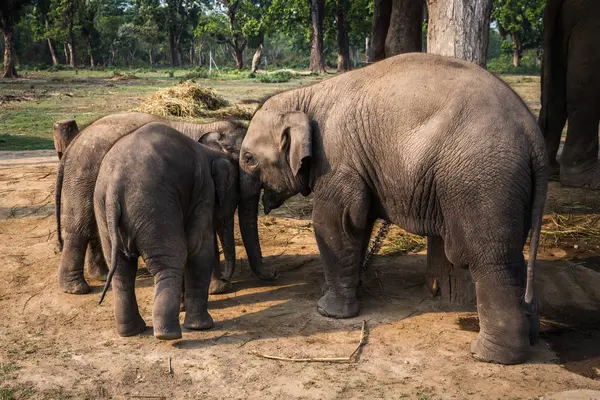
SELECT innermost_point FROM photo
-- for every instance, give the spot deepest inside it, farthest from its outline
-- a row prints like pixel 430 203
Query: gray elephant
pixel 435 145
pixel 571 89
pixel 157 196
pixel 77 173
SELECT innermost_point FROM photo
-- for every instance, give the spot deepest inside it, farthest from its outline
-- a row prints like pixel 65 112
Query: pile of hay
pixel 191 100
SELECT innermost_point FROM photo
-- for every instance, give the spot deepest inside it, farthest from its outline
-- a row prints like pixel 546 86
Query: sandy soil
pixel 55 345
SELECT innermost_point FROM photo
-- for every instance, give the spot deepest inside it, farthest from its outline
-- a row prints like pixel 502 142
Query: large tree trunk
pixel 52 52
pixel 456 28
pixel 256 58
pixel 238 54
pixel 66 53
pixel 71 46
pixel 71 54
pixel 516 48
pixel 342 36
pixel 317 11
pixel 50 46
pixel 459 28
pixel 443 279
pixel 382 10
pixel 173 47
pixel 9 61
pixel 404 32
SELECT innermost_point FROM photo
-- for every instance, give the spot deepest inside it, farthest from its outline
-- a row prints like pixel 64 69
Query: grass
pixel 88 95
pixel 7 394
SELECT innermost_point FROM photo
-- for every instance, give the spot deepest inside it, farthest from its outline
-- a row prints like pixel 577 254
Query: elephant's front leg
pixel 341 231
pixel 221 280
pixel 202 259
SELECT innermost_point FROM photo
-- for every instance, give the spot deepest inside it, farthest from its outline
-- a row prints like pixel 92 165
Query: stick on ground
pixel 364 336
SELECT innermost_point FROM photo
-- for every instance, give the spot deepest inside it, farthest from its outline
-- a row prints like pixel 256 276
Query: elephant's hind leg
pixel 127 315
pixel 202 259
pixel 70 269
pixel 94 260
pixel 494 255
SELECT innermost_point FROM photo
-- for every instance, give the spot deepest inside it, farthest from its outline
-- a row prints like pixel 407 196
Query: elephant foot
pixel 581 177
pixel 97 272
pixel 219 286
pixel 198 322
pixel 507 324
pixel 167 331
pixel 131 329
pixel 485 350
pixel 74 286
pixel 333 306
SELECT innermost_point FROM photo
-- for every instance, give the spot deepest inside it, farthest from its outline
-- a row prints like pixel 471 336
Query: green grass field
pixel 31 104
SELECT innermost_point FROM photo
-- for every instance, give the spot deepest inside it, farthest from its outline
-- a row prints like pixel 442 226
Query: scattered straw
pixel 558 227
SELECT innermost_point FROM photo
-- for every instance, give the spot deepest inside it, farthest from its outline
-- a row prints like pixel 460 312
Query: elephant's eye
pixel 248 159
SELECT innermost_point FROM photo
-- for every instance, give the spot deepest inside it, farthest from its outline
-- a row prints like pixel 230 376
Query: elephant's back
pixel 84 155
pixel 153 160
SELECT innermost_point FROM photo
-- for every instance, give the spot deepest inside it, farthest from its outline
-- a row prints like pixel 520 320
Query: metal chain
pixel 376 244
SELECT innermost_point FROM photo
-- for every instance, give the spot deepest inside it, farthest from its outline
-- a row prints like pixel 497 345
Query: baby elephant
pixel 157 196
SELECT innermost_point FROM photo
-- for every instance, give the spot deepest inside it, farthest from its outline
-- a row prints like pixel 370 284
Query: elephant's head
pixel 228 141
pixel 275 150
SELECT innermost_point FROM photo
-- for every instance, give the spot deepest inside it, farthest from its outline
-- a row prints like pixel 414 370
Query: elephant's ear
pixel 296 139
pixel 224 174
pixel 212 140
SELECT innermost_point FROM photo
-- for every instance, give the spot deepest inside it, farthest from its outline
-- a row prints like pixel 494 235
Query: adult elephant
pixel 436 145
pixel 571 89
pixel 78 170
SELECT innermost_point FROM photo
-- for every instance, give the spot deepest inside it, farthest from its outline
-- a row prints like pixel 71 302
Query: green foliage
pixel 275 77
pixel 522 20
pixel 529 65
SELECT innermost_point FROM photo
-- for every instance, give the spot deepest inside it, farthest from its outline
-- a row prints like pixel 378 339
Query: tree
pixel 522 21
pixel 41 27
pixel 382 11
pixel 404 32
pixel 317 13
pixel 87 16
pixel 341 7
pixel 10 13
pixel 64 13
pixel 459 28
pixel 396 27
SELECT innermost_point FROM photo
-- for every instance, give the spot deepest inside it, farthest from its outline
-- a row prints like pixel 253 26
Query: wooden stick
pixel 170 367
pixel 364 335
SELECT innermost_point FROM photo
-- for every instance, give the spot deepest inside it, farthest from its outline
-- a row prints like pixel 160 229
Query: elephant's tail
pixel 540 188
pixel 113 214
pixel 57 199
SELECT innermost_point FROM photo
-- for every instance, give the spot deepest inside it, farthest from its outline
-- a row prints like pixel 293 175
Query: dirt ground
pixel 56 346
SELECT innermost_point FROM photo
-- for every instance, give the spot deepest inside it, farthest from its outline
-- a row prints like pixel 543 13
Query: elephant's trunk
pixel 250 189
pixel 226 235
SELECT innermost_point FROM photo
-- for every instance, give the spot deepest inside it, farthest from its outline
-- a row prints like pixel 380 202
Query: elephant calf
pixel 157 196
pixel 77 174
